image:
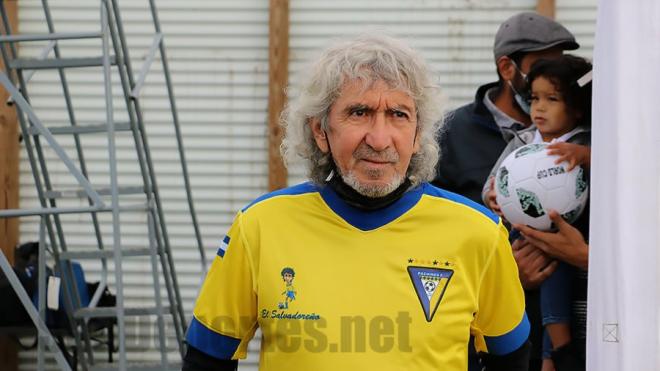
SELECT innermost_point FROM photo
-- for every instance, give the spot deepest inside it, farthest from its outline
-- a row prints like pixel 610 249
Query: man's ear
pixel 319 134
pixel 506 68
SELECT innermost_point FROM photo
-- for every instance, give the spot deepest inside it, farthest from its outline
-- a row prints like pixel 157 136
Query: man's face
pixel 371 136
pixel 287 277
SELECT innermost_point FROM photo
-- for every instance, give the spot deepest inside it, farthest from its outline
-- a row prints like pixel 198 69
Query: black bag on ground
pixel 12 312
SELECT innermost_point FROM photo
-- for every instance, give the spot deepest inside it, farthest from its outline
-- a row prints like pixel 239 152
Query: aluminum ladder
pixel 114 58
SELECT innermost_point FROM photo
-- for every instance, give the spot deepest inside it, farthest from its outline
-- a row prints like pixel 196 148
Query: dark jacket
pixel 470 143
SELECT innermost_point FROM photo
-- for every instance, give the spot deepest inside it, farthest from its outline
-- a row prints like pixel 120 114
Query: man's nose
pixel 379 136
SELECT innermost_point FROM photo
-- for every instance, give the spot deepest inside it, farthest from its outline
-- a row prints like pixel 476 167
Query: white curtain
pixel 624 301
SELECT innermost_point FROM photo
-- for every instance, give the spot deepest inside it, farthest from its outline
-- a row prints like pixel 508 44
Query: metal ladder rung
pixel 142 366
pixel 107 253
pixel 82 129
pixel 108 312
pixel 50 63
pixel 80 193
pixel 137 207
pixel 114 51
pixel 51 36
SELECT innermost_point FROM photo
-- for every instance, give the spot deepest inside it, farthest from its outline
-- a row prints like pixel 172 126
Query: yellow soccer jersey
pixel 399 288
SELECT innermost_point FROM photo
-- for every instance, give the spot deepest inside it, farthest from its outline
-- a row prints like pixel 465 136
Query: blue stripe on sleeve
pixel 512 340
pixel 210 342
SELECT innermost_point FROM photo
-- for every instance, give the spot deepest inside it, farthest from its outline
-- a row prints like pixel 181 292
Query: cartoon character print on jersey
pixel 289 292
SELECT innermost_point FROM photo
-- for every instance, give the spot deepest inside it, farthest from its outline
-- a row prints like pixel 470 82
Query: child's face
pixel 550 113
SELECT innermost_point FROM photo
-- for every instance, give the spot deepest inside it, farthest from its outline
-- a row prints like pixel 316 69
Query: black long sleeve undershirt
pixel 517 360
pixel 196 360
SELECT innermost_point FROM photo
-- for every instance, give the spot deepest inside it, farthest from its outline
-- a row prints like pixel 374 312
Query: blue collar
pixel 369 220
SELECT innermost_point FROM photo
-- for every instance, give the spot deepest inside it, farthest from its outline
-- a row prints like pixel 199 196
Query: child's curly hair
pixel 564 73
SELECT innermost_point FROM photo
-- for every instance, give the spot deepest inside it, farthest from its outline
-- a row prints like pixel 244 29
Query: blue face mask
pixel 520 100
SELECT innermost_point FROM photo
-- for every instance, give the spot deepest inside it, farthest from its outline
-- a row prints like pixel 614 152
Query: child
pixel 561 112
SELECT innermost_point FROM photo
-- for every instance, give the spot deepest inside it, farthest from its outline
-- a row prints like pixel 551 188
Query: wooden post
pixel 278 75
pixel 9 147
pixel 547 8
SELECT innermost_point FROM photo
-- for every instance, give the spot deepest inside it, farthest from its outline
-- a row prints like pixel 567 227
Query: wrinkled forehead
pixel 361 89
pixel 365 78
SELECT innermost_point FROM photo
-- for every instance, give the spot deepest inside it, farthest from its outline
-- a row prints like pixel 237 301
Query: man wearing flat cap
pixel 475 134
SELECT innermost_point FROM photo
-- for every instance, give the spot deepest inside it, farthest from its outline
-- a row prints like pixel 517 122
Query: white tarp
pixel 623 276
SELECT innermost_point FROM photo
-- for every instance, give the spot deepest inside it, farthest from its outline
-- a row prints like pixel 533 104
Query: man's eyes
pixel 399 114
pixel 359 112
pixel 364 112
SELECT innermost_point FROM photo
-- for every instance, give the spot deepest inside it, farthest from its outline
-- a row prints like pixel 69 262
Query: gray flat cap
pixel 531 32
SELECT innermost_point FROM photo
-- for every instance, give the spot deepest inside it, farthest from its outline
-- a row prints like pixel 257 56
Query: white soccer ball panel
pixel 519 170
pixel 557 199
pixel 514 215
pixel 549 174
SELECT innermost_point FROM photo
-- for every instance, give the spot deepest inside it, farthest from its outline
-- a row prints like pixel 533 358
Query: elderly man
pixel 367 266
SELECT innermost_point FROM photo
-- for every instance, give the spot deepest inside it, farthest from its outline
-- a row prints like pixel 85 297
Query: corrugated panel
pixel 580 18
pixel 218 54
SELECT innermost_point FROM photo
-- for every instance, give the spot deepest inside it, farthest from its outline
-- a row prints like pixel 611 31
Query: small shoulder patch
pixel 223 246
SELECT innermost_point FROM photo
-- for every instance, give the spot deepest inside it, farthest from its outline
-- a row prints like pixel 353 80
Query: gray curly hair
pixel 368 58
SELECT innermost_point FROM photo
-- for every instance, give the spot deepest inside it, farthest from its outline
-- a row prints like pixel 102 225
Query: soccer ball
pixel 429 287
pixel 529 183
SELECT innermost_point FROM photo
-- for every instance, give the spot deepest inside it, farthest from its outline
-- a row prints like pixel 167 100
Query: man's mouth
pixel 376 161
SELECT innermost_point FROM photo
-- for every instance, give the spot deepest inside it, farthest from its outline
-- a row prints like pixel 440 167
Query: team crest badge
pixel 430 285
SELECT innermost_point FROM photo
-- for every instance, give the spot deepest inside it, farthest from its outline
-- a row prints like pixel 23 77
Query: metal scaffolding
pixel 109 199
